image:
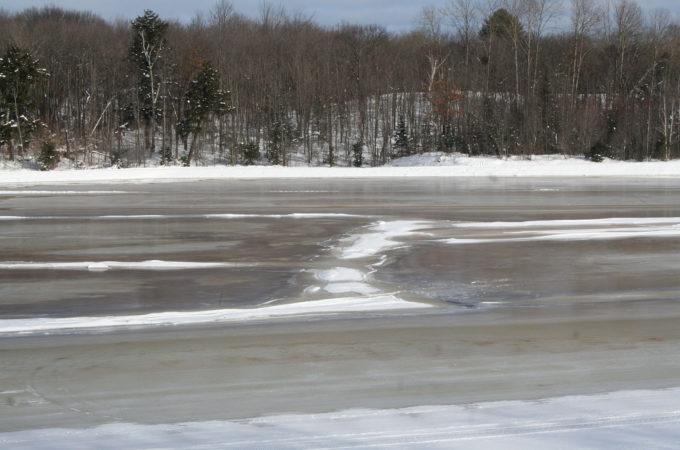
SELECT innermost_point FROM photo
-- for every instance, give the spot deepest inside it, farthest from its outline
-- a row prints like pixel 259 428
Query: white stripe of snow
pixel 578 235
pixel 328 306
pixel 570 222
pixel 65 192
pixel 10 218
pixel 649 229
pixel 119 265
pixel 280 216
pixel 111 217
pixel 132 217
pixel 187 216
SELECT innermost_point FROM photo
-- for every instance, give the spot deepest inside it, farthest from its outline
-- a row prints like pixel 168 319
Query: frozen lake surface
pixel 220 245
pixel 232 299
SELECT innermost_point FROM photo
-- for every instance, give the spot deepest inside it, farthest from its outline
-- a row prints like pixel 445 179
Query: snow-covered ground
pixel 426 165
pixel 626 419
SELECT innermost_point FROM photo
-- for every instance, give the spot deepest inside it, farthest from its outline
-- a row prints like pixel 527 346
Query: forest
pixel 593 78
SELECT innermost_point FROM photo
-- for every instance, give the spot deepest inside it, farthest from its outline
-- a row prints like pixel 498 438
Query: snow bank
pixel 326 306
pixel 625 419
pixel 426 165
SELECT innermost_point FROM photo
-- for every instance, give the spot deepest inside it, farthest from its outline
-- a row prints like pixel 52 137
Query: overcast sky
pixel 395 15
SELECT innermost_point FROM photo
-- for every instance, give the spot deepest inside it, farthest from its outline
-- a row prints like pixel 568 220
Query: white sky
pixel 395 15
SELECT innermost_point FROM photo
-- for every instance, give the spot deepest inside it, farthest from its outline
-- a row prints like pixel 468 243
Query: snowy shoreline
pixel 427 165
pixel 632 419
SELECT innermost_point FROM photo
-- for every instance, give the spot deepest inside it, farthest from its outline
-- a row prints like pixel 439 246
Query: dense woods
pixel 506 77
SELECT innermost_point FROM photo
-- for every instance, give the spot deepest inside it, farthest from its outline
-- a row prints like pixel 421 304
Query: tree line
pixel 496 77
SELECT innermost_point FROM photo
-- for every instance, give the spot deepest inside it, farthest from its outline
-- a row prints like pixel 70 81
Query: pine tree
pixel 502 24
pixel 19 75
pixel 48 158
pixel 401 140
pixel 202 100
pixel 275 144
pixel 249 152
pixel 146 50
pixel 358 154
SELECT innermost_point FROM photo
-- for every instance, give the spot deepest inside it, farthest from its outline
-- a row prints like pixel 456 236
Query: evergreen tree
pixel 275 144
pixel 502 24
pixel 202 100
pixel 19 75
pixel 249 153
pixel 401 139
pixel 358 154
pixel 146 50
pixel 48 158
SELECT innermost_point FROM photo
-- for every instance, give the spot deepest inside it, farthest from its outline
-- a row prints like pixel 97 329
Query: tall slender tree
pixel 146 52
